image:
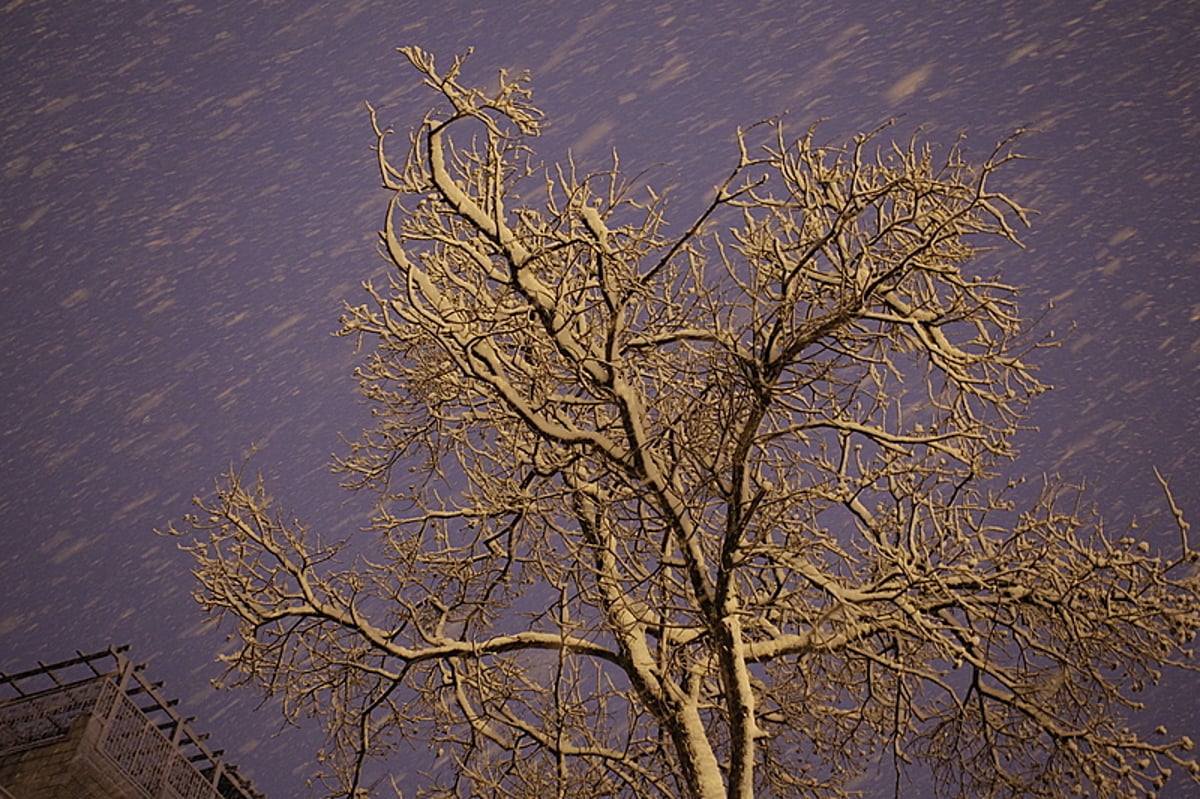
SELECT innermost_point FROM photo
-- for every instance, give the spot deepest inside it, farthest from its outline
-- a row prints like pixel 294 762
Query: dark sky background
pixel 187 194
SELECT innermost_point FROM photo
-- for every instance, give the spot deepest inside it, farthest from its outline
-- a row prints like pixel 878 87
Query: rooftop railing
pixel 139 732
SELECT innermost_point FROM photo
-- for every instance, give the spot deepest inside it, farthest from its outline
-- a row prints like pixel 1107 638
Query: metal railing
pixel 149 744
pixel 46 716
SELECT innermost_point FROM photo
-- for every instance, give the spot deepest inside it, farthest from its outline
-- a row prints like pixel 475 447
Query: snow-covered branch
pixel 708 507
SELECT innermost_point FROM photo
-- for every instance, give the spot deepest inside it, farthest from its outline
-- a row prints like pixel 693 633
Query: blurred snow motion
pixel 184 180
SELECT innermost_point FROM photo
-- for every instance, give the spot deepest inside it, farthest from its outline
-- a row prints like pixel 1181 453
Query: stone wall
pixel 90 739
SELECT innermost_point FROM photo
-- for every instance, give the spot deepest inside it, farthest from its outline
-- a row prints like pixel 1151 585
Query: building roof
pixel 141 732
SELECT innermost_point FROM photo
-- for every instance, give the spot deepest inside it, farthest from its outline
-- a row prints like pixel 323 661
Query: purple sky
pixel 187 195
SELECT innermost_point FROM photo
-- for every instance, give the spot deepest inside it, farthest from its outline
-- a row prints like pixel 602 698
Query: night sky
pixel 187 194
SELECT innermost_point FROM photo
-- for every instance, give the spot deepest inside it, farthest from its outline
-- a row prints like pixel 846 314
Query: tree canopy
pixel 718 509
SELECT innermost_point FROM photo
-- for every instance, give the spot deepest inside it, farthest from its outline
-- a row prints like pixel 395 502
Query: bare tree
pixel 699 513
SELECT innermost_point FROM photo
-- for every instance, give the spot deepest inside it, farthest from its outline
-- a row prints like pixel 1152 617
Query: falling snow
pixel 189 194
